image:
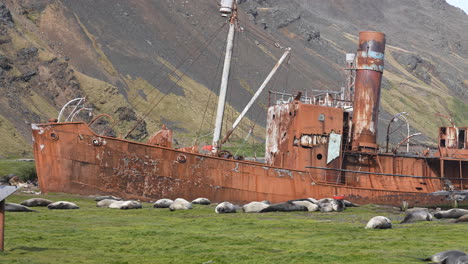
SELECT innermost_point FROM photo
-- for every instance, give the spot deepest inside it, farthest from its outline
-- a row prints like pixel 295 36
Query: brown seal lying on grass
pixel 463 218
pixel 36 202
pixel 284 207
pixel 452 213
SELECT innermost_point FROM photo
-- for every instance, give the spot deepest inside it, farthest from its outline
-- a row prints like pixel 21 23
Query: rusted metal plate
pixel 141 171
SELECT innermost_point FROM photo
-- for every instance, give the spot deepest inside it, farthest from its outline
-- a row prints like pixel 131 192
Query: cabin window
pixel 443 130
pixel 319 156
pixel 461 138
pixel 442 143
pixel 321 117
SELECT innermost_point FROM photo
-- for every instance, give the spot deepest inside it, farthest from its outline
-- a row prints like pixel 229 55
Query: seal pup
pixel 254 207
pixel 63 205
pixel 225 208
pixel 379 222
pixel 12 207
pixel 452 213
pixel 463 218
pixel 447 257
pixel 202 201
pixel 284 207
pixel 105 203
pixel 163 203
pixel 417 216
pixel 36 202
pixel 338 205
pixel 311 207
pixel 110 197
pixel 326 207
pixel 180 204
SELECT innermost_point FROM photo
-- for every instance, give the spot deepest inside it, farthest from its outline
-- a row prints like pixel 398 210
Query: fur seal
pixel 110 197
pixel 311 207
pixel 225 208
pixel 63 205
pixel 284 207
pixel 12 207
pixel 254 207
pixel 452 213
pixel 180 204
pixel 417 216
pixel 202 201
pixel 163 203
pixel 36 202
pixel 448 257
pixel 105 203
pixel 379 222
pixel 463 218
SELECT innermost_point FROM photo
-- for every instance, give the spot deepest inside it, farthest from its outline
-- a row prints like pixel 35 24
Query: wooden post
pixel 2 223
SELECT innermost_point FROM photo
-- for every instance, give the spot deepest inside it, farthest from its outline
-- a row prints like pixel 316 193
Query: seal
pixel 379 222
pixel 254 207
pixel 284 207
pixel 110 197
pixel 180 204
pixel 225 208
pixel 131 205
pixel 63 205
pixel 105 203
pixel 202 201
pixel 36 202
pixel 452 213
pixel 163 203
pixel 12 207
pixel 415 216
pixel 448 257
pixel 463 218
pixel 311 207
pixel 116 204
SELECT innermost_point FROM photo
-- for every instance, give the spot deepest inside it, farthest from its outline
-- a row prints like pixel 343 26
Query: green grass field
pixel 148 235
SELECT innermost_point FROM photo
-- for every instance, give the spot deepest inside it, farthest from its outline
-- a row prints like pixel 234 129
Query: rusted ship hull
pixel 73 159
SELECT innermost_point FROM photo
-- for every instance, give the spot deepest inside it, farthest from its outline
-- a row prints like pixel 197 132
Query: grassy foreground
pixel 148 235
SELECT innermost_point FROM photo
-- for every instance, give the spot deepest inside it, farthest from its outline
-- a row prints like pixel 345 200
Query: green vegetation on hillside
pixel 148 235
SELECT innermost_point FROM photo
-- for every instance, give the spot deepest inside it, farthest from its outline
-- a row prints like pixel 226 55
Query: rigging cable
pixel 179 77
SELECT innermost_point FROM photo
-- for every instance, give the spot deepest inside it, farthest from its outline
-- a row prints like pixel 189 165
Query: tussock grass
pixel 148 235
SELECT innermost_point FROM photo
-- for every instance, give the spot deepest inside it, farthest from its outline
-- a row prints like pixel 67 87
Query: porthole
pixel 319 156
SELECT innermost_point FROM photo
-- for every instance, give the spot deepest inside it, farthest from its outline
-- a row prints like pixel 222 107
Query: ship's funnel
pixel 369 70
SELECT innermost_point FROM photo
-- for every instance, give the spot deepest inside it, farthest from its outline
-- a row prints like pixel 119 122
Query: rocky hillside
pixel 125 56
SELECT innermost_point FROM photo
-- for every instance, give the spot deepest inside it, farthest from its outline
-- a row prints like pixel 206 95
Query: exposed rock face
pixel 123 59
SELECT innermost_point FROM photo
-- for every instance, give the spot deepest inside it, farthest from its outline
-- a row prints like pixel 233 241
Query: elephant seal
pixel 254 207
pixel 202 201
pixel 63 205
pixel 180 204
pixel 311 207
pixel 163 203
pixel 417 216
pixel 447 257
pixel 131 205
pixel 326 207
pixel 379 222
pixel 105 203
pixel 284 207
pixel 312 200
pixel 350 204
pixel 116 204
pixel 225 208
pixel 36 202
pixel 338 205
pixel 110 197
pixel 452 213
pixel 463 218
pixel 12 207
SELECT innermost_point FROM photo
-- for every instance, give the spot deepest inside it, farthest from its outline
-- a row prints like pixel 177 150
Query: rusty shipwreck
pixel 316 146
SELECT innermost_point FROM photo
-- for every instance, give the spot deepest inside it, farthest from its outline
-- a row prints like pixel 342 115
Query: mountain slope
pixel 126 55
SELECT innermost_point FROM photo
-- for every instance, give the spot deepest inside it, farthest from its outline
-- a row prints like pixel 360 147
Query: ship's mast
pixel 227 7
